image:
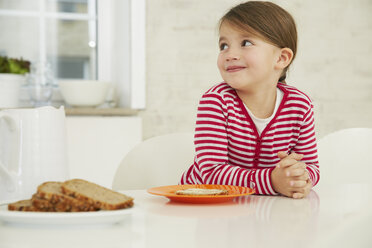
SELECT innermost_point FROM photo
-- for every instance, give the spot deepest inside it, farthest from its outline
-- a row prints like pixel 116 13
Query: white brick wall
pixel 333 64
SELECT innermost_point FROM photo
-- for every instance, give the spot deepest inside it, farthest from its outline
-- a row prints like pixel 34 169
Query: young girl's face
pixel 246 61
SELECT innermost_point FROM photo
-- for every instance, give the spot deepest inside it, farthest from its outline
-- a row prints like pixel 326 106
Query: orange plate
pixel 169 192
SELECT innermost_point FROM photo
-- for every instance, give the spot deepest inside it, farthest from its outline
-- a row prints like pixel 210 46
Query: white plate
pixel 73 218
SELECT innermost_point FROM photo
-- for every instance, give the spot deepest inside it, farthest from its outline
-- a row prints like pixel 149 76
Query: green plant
pixel 15 66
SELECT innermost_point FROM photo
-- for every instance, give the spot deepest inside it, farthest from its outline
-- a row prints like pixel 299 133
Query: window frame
pixel 120 37
pixel 120 59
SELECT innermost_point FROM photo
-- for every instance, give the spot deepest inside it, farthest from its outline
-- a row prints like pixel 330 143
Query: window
pixel 89 39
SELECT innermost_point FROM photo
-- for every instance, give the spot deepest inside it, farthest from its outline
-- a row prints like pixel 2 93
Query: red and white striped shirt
pixel 229 149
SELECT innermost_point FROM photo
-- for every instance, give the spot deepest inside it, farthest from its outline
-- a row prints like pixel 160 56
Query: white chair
pixel 345 156
pixel 155 162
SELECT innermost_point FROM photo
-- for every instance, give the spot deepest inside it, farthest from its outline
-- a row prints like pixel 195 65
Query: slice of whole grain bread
pixel 100 197
pixel 23 205
pixel 50 195
pixel 27 206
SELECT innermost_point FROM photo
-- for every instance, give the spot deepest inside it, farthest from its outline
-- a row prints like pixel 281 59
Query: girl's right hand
pixel 290 177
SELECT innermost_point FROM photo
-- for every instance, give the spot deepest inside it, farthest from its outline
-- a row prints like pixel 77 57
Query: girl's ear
pixel 285 58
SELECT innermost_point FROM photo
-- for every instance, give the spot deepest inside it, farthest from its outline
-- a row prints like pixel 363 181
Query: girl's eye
pixel 246 43
pixel 223 46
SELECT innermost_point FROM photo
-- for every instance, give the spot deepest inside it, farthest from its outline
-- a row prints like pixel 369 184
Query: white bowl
pixel 83 93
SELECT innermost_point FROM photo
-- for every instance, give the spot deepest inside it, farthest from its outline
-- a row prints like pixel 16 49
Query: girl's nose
pixel 232 55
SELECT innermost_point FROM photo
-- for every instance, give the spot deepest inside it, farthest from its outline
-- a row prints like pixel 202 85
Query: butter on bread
pixel 200 191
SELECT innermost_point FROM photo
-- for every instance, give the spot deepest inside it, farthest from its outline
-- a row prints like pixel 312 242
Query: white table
pixel 331 216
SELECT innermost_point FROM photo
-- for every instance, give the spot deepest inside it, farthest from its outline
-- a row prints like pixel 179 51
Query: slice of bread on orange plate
pixel 201 191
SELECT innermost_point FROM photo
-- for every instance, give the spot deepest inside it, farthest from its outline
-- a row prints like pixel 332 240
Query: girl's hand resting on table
pixel 290 177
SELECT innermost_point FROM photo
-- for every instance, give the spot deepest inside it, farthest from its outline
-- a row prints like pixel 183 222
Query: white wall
pixel 333 63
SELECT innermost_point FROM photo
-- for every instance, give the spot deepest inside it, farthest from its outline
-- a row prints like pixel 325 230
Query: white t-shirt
pixel 262 123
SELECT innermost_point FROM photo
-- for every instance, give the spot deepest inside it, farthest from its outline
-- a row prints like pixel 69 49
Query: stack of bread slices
pixel 75 195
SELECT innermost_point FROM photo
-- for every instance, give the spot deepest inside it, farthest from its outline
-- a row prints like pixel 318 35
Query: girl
pixel 253 129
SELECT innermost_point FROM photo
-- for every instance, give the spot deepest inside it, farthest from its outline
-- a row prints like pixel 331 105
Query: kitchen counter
pixel 101 111
pixel 80 111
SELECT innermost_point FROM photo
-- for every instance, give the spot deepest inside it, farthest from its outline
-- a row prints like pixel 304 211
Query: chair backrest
pixel 155 162
pixel 345 156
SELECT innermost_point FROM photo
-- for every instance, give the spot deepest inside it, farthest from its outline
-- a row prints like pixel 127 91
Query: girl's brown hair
pixel 268 21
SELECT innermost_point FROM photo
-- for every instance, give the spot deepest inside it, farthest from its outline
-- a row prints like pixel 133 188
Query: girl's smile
pixel 234 68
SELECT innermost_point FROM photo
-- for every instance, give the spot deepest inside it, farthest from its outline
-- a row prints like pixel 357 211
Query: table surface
pixel 331 216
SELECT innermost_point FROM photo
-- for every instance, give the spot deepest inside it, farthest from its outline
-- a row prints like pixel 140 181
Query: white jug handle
pixel 10 176
pixel 10 179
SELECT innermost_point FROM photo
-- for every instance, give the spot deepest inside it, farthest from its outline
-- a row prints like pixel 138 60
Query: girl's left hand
pixel 303 192
pixel 299 177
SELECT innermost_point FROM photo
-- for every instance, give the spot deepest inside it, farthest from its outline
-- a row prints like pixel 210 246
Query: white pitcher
pixel 32 150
